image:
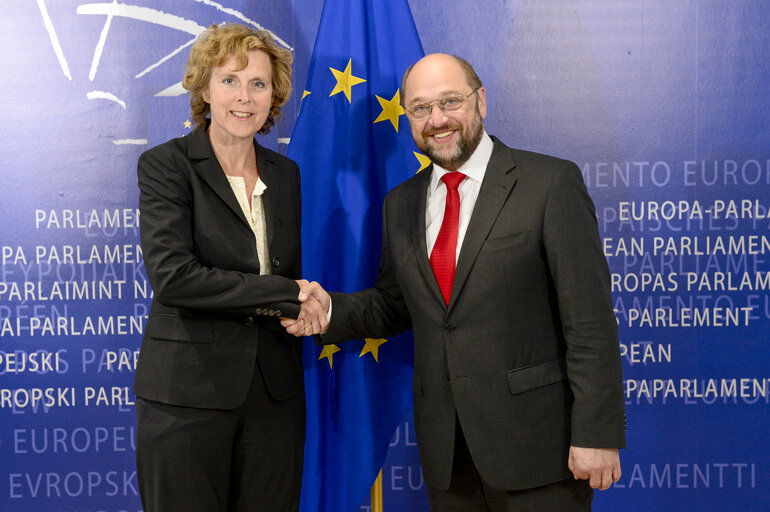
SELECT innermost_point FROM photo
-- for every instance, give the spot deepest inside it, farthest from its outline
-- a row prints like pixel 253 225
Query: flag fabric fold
pixel 353 144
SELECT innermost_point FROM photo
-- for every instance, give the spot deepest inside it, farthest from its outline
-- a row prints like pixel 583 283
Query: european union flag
pixel 353 144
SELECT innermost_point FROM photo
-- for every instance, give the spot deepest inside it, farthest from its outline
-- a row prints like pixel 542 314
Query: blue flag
pixel 353 144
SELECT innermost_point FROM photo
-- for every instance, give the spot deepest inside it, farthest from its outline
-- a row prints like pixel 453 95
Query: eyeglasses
pixel 446 104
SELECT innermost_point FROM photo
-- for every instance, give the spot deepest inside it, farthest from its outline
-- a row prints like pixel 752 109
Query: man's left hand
pixel 600 466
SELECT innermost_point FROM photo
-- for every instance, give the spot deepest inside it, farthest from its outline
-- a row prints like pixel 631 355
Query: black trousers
pixel 200 460
pixel 469 493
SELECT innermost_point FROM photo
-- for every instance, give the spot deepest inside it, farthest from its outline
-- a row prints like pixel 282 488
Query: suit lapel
pixel 269 173
pixel 207 166
pixel 495 189
pixel 417 200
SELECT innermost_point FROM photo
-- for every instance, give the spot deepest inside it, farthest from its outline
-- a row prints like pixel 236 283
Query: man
pixel 517 384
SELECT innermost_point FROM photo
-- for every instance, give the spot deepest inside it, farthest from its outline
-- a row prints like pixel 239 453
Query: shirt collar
pixel 474 168
pixel 259 187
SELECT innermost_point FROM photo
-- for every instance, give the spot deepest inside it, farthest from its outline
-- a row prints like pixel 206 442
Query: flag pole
pixel 377 505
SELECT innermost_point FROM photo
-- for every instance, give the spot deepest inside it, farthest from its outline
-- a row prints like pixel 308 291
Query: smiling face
pixel 240 99
pixel 447 138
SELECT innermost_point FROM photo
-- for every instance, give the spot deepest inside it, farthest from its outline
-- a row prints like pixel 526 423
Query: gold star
pixel 424 160
pixel 391 110
pixel 305 94
pixel 345 81
pixel 372 346
pixel 187 124
pixel 328 352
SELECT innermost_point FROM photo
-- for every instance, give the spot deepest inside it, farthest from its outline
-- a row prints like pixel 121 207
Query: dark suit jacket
pixel 213 315
pixel 526 355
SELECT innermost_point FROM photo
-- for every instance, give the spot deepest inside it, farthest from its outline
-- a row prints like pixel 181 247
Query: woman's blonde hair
pixel 218 43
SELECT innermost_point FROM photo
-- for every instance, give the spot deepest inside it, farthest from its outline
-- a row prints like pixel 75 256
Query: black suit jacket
pixel 526 355
pixel 213 315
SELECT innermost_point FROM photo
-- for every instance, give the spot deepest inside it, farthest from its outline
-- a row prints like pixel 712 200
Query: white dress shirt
pixel 254 210
pixel 474 169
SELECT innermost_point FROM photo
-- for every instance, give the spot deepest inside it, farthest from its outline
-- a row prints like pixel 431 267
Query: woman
pixel 221 405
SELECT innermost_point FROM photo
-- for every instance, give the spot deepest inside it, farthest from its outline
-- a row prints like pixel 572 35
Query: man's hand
pixel 312 318
pixel 600 466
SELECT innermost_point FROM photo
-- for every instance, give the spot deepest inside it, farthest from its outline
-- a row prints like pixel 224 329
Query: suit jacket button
pixel 249 320
pixel 258 311
pixel 276 262
pixel 278 312
pixel 449 328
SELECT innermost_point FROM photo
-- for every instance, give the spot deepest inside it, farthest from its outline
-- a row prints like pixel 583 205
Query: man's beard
pixel 463 149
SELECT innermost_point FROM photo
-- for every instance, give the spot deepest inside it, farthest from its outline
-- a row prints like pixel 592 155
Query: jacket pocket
pixel 177 328
pixel 532 377
pixel 505 241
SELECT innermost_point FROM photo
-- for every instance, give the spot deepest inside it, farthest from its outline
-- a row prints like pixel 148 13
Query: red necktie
pixel 442 259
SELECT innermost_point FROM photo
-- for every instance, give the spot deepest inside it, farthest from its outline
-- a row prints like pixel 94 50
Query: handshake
pixel 313 315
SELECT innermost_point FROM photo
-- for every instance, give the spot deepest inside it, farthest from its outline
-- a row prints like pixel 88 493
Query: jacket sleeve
pixel 376 312
pixel 172 252
pixel 581 276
